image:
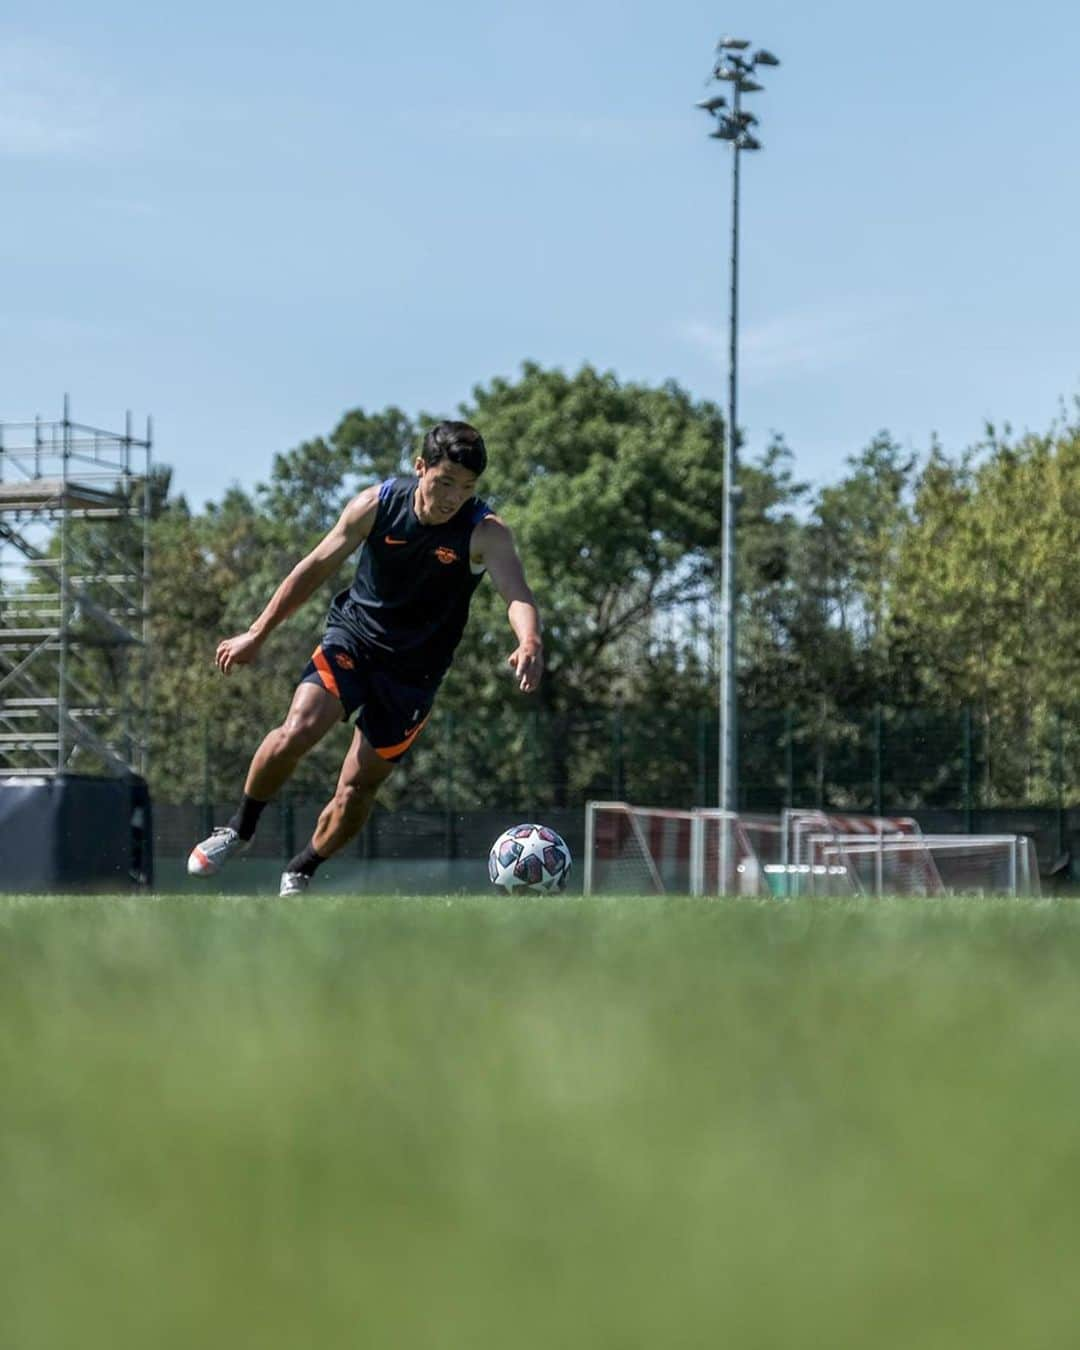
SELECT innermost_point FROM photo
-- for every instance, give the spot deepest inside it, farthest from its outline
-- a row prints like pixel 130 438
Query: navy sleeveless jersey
pixel 409 600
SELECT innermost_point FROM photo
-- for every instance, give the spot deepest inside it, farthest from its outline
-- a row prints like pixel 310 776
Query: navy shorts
pixel 392 713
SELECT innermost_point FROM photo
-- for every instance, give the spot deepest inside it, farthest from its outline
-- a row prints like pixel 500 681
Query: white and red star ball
pixel 529 858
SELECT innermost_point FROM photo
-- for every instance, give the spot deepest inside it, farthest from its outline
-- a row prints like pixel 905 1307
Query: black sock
pixel 247 817
pixel 305 862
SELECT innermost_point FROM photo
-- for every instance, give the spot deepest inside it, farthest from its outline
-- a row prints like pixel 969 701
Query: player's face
pixel 443 490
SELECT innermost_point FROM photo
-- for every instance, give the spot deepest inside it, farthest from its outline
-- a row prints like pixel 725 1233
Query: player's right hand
pixel 241 650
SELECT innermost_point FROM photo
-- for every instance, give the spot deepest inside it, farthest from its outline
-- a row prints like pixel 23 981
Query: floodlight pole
pixel 729 696
pixel 734 127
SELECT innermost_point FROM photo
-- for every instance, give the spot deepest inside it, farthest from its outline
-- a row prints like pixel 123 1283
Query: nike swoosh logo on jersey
pixel 388 540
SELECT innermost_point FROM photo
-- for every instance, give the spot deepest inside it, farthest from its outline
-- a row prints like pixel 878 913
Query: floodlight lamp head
pixel 748 142
pixel 723 72
pixel 726 131
pixel 764 58
pixel 750 87
pixel 712 104
pixel 748 119
pixel 730 44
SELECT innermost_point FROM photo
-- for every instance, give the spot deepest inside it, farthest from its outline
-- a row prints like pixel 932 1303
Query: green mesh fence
pixel 524 759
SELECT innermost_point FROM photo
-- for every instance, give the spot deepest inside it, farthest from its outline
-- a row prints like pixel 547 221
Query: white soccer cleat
pixel 293 883
pixel 212 854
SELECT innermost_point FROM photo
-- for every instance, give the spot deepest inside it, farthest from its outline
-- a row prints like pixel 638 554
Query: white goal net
pixel 649 850
pixel 942 864
pixel 640 850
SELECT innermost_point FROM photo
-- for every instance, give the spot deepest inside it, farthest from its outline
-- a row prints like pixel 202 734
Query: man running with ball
pixel 425 541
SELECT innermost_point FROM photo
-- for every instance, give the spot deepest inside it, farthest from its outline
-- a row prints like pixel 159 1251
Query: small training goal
pixel 651 850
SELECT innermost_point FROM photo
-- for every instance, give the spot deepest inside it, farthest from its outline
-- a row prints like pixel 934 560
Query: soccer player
pixel 425 542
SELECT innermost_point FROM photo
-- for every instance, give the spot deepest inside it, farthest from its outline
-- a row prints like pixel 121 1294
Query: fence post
pixel 532 761
pixel 985 796
pixel 789 757
pixel 451 832
pixel 618 752
pixel 371 836
pixel 288 828
pixel 207 804
pixel 1059 774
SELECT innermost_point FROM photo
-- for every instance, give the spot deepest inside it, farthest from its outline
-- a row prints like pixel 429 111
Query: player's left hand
pixel 527 663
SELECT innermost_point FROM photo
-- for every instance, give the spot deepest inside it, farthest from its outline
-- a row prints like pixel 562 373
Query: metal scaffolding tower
pixel 74 599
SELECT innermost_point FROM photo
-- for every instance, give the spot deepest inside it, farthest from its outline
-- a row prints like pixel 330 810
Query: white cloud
pixel 599 130
pixel 541 126
pixel 122 206
pixel 808 343
pixel 47 106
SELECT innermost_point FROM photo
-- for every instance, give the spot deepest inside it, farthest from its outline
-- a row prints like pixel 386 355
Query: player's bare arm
pixel 349 532
pixel 493 547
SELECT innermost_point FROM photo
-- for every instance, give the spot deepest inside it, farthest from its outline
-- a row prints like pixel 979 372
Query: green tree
pixel 987 593
pixel 310 484
pixel 818 628
pixel 214 572
pixel 613 491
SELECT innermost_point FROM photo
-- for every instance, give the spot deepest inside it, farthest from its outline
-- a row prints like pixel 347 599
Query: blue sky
pixel 245 219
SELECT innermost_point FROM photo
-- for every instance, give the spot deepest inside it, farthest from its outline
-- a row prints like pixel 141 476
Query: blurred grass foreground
pixel 488 1122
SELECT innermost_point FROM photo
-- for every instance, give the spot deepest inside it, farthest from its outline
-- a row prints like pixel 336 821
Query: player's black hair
pixel 458 442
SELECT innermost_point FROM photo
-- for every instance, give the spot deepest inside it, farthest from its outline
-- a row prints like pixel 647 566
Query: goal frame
pixel 818 852
pixel 697 818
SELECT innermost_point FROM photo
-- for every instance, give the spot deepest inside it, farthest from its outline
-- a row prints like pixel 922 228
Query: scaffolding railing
pixel 74 598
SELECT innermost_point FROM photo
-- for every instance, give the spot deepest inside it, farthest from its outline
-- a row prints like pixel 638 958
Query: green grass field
pixel 492 1122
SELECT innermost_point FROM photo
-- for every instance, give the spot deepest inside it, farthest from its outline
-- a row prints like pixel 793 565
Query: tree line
pixel 939 584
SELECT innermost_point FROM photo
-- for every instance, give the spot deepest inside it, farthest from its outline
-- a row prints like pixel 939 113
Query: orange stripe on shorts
pixel 392 751
pixel 322 665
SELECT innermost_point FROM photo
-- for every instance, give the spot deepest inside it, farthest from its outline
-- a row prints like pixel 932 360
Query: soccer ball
pixel 529 858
